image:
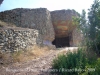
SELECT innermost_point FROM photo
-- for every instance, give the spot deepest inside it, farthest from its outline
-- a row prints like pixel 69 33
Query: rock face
pixel 62 22
pixel 15 39
pixel 65 31
pixel 54 27
pixel 39 19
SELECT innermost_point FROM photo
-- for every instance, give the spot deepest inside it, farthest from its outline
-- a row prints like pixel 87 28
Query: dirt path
pixel 39 66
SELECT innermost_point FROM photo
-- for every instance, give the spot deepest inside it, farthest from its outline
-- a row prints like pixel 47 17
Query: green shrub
pixel 70 61
pixel 76 63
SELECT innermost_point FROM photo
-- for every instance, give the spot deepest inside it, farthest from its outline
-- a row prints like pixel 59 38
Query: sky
pixel 51 5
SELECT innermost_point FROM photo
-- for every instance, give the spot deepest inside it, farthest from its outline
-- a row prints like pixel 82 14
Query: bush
pixel 70 61
pixel 76 63
pixel 93 69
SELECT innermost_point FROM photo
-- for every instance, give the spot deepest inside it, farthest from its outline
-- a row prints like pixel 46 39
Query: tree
pixel 94 25
pixel 93 17
pixel 83 23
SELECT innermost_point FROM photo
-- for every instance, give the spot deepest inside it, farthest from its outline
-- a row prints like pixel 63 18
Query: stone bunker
pixel 54 28
pixel 62 21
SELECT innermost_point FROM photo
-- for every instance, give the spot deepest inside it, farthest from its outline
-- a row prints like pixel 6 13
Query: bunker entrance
pixel 61 42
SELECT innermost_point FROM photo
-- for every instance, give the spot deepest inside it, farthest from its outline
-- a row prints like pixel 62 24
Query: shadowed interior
pixel 61 42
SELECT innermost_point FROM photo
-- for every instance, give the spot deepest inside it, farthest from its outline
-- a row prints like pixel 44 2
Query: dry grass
pixel 22 56
pixel 4 24
pixel 30 54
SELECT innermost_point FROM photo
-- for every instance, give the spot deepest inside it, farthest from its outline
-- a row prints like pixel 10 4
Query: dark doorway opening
pixel 61 42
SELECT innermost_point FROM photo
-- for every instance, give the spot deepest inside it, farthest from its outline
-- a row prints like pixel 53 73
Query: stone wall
pixel 39 19
pixel 15 39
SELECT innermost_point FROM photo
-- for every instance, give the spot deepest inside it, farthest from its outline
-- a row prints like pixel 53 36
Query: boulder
pixel 63 22
pixel 66 32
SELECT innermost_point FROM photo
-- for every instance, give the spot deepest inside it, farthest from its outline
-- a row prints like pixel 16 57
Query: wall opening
pixel 61 42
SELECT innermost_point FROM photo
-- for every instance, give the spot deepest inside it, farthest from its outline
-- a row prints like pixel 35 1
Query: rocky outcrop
pixel 62 22
pixel 15 39
pixel 65 30
pixel 39 19
pixel 54 27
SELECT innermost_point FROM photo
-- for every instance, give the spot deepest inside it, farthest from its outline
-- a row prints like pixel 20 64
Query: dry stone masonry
pixel 15 39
